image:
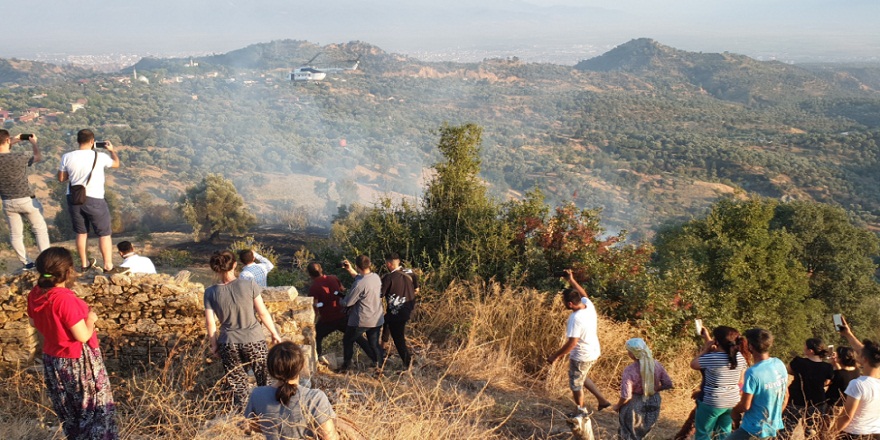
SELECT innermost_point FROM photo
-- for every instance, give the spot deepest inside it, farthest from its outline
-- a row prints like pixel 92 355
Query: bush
pixel 174 258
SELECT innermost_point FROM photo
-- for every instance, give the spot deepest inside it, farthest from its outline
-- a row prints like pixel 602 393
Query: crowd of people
pixel 744 393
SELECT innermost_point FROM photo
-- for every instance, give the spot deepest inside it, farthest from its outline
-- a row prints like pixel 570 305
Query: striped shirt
pixel 720 383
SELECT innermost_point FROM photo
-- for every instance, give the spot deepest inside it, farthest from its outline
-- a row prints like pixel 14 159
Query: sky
pixel 798 30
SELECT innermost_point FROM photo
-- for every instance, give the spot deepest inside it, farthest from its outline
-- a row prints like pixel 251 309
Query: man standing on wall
pixel 582 343
pixel 85 166
pixel 18 198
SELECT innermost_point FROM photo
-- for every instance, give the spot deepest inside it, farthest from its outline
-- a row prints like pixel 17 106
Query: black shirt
pixel 398 288
pixel 839 381
pixel 808 386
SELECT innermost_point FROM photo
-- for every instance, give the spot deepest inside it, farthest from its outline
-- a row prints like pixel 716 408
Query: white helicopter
pixel 308 72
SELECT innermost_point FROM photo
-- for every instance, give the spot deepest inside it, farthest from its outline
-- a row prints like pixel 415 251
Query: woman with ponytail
pixel 723 360
pixel 639 403
pixel 73 368
pixel 287 410
pixel 239 342
pixel 860 419
pixel 807 391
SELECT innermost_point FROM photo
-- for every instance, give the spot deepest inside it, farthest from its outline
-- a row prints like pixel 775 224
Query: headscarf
pixel 639 349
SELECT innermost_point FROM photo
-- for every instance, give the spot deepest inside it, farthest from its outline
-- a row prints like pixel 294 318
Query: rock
pixel 284 294
pixel 120 279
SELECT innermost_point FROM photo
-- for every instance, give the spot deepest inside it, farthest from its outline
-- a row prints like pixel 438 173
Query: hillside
pixel 647 132
pixel 24 72
pixel 726 76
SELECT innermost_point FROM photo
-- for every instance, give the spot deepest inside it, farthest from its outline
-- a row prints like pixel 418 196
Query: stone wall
pixel 143 320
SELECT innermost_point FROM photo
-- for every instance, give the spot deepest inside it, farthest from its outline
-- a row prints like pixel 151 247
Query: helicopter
pixel 308 72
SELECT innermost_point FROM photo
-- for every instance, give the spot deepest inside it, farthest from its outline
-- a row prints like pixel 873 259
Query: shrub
pixel 174 258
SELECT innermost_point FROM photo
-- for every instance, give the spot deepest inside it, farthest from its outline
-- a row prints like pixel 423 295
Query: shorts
pixel 93 212
pixel 577 373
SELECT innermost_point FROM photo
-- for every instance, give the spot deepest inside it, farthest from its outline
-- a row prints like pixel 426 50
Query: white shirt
pixel 582 324
pixel 138 264
pixel 77 164
pixel 866 420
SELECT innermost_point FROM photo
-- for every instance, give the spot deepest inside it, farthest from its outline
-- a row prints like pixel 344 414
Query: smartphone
pixel 25 136
pixel 698 326
pixel 838 321
pixel 101 144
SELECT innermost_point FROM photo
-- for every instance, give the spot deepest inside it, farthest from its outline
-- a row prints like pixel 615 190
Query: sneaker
pixel 29 266
pixel 93 264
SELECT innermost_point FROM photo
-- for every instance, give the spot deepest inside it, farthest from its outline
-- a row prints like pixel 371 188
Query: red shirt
pixel 324 290
pixel 54 313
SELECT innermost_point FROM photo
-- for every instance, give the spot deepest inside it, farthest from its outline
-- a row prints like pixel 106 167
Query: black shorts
pixel 93 212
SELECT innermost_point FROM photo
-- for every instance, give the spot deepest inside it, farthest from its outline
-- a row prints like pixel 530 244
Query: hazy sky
pixel 790 29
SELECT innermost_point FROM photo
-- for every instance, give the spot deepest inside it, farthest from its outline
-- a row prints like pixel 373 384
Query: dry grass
pixel 479 374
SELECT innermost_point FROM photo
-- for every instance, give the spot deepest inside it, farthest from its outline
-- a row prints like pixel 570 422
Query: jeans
pixel 31 208
pixel 372 349
pixel 324 329
pixel 397 330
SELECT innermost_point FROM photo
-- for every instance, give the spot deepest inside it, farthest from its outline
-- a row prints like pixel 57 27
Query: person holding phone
pixel 18 197
pixel 85 167
pixel 860 418
pixel 723 361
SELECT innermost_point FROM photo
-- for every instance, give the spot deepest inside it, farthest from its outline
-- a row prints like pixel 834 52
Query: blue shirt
pixel 766 381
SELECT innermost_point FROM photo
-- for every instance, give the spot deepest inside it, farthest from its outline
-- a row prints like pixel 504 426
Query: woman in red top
pixel 76 379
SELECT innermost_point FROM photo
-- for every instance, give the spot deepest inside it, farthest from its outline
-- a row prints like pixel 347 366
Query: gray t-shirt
pixel 233 304
pixel 365 301
pixel 307 410
pixel 13 175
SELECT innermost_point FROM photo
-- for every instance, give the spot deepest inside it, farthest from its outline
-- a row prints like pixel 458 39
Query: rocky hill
pixel 725 76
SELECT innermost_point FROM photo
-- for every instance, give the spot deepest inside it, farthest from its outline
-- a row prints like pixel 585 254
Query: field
pixel 478 373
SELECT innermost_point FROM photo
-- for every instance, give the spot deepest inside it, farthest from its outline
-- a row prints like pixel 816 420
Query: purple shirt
pixel 631 384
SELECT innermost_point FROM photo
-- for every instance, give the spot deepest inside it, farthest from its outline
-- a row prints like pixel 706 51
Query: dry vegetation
pixel 479 374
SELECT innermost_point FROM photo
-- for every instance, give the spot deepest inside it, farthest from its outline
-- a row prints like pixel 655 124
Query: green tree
pixel 213 206
pixel 744 273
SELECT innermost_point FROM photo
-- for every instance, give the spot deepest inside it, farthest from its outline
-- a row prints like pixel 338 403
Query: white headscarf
pixel 639 349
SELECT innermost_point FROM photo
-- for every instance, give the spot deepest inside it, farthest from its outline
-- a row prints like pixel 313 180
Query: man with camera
pixel 18 198
pixel 365 311
pixel 398 288
pixel 327 293
pixel 83 168
pixel 582 342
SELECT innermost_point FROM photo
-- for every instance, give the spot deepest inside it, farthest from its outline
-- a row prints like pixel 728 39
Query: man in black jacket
pixel 399 289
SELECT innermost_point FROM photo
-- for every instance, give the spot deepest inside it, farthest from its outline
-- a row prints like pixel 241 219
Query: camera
pixel 341 265
pixel 25 137
pixel 560 274
pixel 101 144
